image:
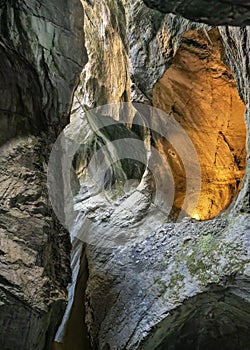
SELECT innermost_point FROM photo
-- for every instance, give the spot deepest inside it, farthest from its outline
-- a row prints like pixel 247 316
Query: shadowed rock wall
pixel 228 12
pixel 42 54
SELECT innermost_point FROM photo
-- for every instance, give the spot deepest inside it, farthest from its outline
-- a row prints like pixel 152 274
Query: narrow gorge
pixel 124 175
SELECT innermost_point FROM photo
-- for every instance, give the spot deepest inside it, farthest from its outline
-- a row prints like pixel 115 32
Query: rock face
pixel 183 285
pixel 200 92
pixel 42 54
pixel 106 76
pixel 163 283
pixel 228 12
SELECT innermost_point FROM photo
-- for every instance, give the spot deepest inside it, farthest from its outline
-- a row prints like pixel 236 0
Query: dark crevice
pixel 76 332
pixel 211 321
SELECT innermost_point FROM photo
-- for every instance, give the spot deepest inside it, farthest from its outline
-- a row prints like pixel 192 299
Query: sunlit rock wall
pixel 105 78
pixel 199 91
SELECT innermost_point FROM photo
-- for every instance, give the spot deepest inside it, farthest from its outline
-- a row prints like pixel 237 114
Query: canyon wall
pixel 187 283
pixel 42 55
pixel 170 284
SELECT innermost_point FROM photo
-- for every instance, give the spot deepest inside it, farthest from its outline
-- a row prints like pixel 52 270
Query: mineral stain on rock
pixel 199 91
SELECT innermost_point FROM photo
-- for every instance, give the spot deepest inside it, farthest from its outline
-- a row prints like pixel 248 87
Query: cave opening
pixel 213 320
pixel 199 91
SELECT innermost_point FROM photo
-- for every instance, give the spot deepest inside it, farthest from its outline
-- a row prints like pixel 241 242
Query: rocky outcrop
pixel 42 54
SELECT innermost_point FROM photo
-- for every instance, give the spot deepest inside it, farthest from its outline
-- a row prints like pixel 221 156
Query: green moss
pixel 176 286
pixel 208 258
pixel 161 284
pixel 206 243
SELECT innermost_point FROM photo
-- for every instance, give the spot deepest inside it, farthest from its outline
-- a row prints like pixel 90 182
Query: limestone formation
pixel 176 281
pixel 187 284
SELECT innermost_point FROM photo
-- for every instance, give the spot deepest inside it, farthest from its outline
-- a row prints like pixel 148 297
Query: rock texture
pixel 214 12
pixel 42 54
pixel 200 92
pixel 182 285
pixel 237 45
pixel 167 285
pixel 106 77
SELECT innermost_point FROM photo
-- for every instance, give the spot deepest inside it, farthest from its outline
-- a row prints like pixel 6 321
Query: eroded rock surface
pixel 200 92
pixel 42 54
pixel 144 293
pixel 148 294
